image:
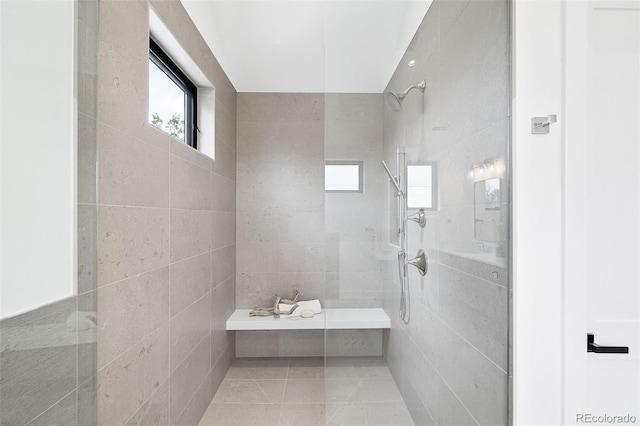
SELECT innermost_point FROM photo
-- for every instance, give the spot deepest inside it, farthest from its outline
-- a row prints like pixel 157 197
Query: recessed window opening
pixel 172 97
pixel 343 176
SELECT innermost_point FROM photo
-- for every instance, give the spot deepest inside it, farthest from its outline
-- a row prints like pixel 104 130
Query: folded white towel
pixel 304 305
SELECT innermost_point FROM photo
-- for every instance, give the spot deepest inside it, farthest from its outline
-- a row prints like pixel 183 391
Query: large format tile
pixel 223 229
pixel 451 412
pixel 61 413
pixel 87 154
pixel 477 310
pixel 301 257
pixel 479 384
pixel 304 391
pixel 223 193
pixel 87 402
pixel 190 280
pixel 129 310
pixel 222 305
pixel 420 377
pixel 376 390
pixel 131 240
pixel 188 377
pixel 346 414
pixel 223 264
pixel 387 413
pixel 279 107
pixel 240 391
pixel 188 328
pixel 126 383
pixel 87 247
pixel 303 414
pixel 132 172
pixel 38 357
pixel 198 405
pixel 249 414
pixel 190 233
pixel 124 21
pixel 155 411
pixel 190 185
pixel 122 95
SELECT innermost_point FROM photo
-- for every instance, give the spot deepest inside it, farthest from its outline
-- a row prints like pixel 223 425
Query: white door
pixel 601 211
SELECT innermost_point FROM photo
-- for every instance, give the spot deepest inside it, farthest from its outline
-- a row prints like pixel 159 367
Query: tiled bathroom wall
pixel 291 235
pixel 451 360
pixel 48 355
pixel 354 221
pixel 280 206
pixel 166 233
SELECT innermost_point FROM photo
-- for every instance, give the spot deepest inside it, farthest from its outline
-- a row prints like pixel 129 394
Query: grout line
pixel 208 293
pixel 124 351
pixel 440 264
pixel 461 337
pixel 194 396
pixel 443 380
pixel 164 266
pixel 188 355
pixel 147 400
pixel 53 405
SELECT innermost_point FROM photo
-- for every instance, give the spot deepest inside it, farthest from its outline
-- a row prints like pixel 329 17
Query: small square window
pixel 172 97
pixel 343 176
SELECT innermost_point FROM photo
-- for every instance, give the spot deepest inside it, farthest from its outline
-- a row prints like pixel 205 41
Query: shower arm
pixel 393 179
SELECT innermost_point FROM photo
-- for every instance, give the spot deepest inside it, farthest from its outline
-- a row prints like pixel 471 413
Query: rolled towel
pixel 305 305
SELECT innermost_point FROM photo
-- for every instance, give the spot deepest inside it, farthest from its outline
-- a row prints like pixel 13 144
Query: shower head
pixel 395 100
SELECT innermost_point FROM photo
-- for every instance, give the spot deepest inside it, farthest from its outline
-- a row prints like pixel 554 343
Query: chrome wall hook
pixel 540 125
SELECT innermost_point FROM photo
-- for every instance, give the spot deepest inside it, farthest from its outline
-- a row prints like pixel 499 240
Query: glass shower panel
pixel 355 370
pixel 450 355
pixel 48 313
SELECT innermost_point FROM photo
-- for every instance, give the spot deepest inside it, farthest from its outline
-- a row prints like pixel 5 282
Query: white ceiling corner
pixel 338 46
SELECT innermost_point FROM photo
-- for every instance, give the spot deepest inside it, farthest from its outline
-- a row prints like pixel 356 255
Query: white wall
pixel 537 215
pixel 37 154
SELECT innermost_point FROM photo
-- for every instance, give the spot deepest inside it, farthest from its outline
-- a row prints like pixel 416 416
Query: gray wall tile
pixel 132 172
pixel 189 185
pixel 192 238
pixel 188 328
pixel 190 280
pixel 131 240
pixel 130 309
pixel 128 381
pixel 223 264
pixel 190 233
pixel 61 413
pixel 155 411
pixel 188 377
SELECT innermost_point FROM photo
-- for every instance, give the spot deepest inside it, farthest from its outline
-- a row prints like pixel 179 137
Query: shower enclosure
pixel 445 145
pixel 48 303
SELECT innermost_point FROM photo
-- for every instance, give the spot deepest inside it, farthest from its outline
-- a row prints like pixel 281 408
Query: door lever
pixel 599 349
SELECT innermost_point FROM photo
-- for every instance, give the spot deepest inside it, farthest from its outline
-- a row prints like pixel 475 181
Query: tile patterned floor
pixel 305 392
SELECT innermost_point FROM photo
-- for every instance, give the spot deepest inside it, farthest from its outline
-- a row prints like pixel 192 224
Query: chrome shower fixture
pixel 420 262
pixel 393 179
pixel 395 100
pixel 419 217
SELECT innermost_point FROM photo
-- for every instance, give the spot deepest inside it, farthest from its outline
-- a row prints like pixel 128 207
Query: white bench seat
pixel 329 319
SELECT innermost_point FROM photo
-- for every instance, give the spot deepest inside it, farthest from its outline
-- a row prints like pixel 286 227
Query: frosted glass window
pixel 343 176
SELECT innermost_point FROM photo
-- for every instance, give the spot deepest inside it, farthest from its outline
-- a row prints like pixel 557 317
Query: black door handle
pixel 599 349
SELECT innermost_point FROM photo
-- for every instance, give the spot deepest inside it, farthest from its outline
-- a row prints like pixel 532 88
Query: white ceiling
pixel 339 46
